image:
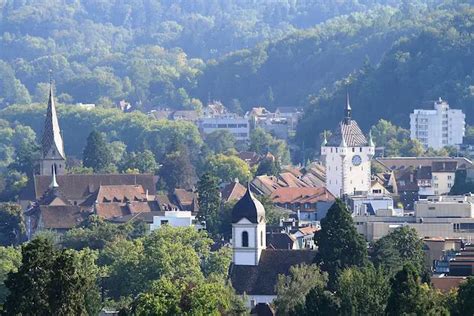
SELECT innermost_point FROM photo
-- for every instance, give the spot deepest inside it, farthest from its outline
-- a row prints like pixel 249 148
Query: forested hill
pixel 437 62
pixel 152 52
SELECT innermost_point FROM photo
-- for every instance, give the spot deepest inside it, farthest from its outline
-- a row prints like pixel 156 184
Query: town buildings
pixel 438 127
pixel 347 156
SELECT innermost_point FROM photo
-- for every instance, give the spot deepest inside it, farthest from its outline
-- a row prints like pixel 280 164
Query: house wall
pixel 442 182
pixel 342 177
pixel 175 219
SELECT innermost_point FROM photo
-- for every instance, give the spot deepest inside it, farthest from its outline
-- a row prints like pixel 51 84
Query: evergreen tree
pixel 401 246
pixel 318 302
pixel 268 166
pixel 465 300
pixel 409 296
pixel 12 226
pixel 339 244
pixel 176 170
pixel 209 202
pixel 52 282
pixel 96 154
pixel 29 286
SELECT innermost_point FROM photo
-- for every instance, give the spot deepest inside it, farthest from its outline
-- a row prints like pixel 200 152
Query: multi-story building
pixel 437 216
pixel 438 127
pixel 238 126
pixel 347 156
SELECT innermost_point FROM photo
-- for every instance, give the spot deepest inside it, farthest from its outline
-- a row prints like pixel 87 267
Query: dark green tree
pixel 363 291
pixel 465 299
pixel 29 286
pixel 318 302
pixel 398 248
pixel 268 166
pixel 176 170
pixel 209 202
pixel 144 162
pixel 12 225
pixel 220 141
pixel 409 296
pixel 339 244
pixel 96 154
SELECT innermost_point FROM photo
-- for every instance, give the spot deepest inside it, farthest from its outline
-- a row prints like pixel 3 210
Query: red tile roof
pixel 301 195
pixel 233 191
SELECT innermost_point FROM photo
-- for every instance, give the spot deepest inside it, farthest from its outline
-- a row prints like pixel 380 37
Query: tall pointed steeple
pixel 53 156
pixel 52 139
pixel 347 110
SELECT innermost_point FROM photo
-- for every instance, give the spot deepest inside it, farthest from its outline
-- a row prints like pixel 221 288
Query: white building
pixel 238 126
pixel 437 216
pixel 174 219
pixel 439 127
pixel 347 157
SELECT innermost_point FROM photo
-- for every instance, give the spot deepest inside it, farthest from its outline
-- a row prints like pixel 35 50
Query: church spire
pixel 52 141
pixel 54 184
pixel 347 110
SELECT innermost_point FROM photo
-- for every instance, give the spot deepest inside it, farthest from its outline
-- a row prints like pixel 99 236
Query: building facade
pixel 347 157
pixel 438 127
pixel 237 126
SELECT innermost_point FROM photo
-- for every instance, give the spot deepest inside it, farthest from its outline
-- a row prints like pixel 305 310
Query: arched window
pixel 245 239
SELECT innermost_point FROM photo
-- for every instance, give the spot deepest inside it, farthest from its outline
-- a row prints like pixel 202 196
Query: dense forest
pixel 391 56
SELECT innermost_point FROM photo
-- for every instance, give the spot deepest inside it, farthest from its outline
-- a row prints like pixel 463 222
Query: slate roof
pixel 261 279
pixel 248 207
pixel 280 241
pixel 350 131
pixel 444 166
pixel 61 216
pixel 81 186
pixel 120 193
pixel 51 134
pixel 424 173
pixel 393 163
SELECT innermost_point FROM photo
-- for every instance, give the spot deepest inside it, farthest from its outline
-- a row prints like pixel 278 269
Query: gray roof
pixel 249 207
pixel 350 131
pixel 261 279
pixel 51 134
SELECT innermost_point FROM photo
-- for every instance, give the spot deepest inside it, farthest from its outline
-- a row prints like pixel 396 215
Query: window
pixel 164 222
pixel 245 239
pixel 360 149
pixel 353 149
pixel 450 177
pixel 261 238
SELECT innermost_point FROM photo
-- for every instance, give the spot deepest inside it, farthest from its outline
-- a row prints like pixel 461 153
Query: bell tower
pixel 53 159
pixel 248 230
pixel 347 156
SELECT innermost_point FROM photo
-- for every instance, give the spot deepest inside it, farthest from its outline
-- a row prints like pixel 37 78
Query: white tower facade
pixel 347 156
pixel 248 230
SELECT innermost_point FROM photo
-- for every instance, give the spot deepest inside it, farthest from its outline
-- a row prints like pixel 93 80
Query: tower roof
pixel 51 134
pixel 249 207
pixel 348 132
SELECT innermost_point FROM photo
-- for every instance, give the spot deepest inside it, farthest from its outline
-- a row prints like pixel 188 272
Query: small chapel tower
pixel 53 159
pixel 347 156
pixel 248 230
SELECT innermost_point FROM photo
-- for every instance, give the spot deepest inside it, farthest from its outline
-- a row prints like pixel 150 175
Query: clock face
pixel 356 160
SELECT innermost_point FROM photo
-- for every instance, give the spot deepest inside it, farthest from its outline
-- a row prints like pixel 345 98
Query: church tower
pixel 347 156
pixel 53 159
pixel 248 230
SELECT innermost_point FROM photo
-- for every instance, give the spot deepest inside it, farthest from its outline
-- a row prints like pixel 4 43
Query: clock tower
pixel 347 156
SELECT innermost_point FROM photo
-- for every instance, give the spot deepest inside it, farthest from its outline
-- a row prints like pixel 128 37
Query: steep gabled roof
pixel 261 279
pixel 350 133
pixel 233 191
pixel 52 135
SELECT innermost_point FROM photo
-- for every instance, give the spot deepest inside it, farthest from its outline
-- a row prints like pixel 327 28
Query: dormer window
pixel 245 239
